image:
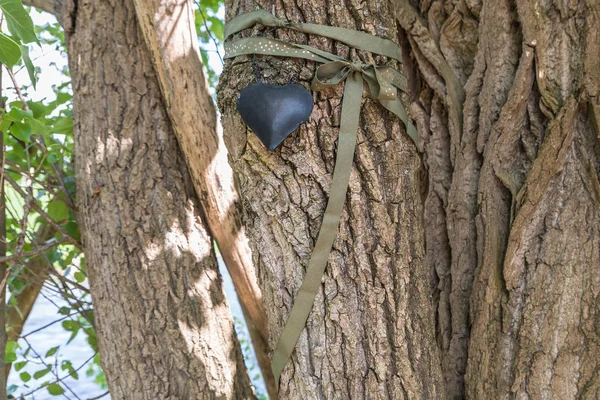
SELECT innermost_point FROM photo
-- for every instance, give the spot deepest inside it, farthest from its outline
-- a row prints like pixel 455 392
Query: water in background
pixel 79 351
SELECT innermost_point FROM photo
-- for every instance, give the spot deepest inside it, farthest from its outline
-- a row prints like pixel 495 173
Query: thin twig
pixel 210 35
pixel 46 186
pixel 37 251
pixel 18 89
pixel 3 244
pixel 55 374
pixel 40 141
pixel 77 304
pixel 47 325
pixel 99 397
pixel 69 281
pixel 37 208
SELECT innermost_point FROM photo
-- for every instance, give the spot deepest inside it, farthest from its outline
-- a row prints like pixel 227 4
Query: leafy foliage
pixel 41 229
pixel 210 28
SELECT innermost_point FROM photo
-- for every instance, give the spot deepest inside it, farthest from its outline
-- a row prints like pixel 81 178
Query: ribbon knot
pixel 282 23
pixel 357 66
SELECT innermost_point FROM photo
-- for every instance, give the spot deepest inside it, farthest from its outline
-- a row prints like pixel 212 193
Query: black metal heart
pixel 273 112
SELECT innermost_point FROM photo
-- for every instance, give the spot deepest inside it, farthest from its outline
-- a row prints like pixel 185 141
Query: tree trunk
pixel 512 220
pixel 169 29
pixel 370 334
pixel 164 327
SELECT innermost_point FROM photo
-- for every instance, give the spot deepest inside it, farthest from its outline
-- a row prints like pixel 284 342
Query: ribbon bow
pixel 383 82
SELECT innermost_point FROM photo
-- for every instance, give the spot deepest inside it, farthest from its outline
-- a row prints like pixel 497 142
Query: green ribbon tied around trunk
pixel 383 82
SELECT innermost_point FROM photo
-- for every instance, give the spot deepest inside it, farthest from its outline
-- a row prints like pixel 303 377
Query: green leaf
pixel 21 131
pixel 79 276
pixel 20 365
pixel 39 109
pixel 12 346
pixel 73 229
pixel 28 64
pixel 53 157
pixel 10 358
pixel 25 376
pixel 63 97
pixel 42 372
pixel 64 310
pixel 63 125
pixel 68 366
pixel 10 52
pixel 18 20
pixel 71 326
pixel 55 389
pixel 5 124
pixel 92 341
pixel 52 351
pixel 216 27
pixel 14 303
pixel 58 210
pixel 11 351
pixel 38 127
pixel 17 114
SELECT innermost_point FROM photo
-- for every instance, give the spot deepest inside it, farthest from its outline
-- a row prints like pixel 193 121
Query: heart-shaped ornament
pixel 273 112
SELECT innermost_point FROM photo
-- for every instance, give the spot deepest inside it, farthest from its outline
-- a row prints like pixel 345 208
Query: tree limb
pixel 170 33
pixel 49 6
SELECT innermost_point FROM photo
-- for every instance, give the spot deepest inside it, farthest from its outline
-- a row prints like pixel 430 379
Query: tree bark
pixel 169 29
pixel 370 334
pixel 163 323
pixel 512 212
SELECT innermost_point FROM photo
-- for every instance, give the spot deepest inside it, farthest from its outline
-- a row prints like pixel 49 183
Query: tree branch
pixel 170 33
pixel 43 214
pixel 38 250
pixel 49 6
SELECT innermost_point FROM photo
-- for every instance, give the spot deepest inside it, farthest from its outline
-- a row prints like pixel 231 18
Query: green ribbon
pixel 383 82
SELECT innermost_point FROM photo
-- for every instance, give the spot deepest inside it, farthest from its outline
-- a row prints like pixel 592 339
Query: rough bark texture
pixel 170 32
pixel 163 323
pixel 370 334
pixel 512 218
